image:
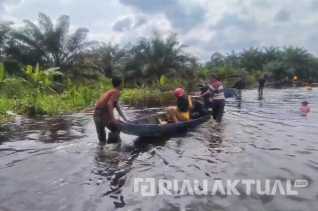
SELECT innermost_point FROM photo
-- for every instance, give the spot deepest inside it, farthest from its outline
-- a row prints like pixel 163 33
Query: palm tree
pixel 150 59
pixel 272 54
pixel 105 58
pixel 233 59
pixel 48 44
pixel 5 28
pixel 252 59
pixel 216 60
pixel 298 59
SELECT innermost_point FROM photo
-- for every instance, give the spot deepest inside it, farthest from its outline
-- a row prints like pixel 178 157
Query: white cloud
pixel 204 25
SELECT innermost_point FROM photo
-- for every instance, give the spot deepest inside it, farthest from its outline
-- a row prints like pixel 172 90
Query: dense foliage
pixel 42 92
pixel 46 68
pixel 142 63
pixel 46 43
pixel 280 63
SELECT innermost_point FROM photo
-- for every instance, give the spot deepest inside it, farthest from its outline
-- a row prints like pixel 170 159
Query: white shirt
pixel 218 93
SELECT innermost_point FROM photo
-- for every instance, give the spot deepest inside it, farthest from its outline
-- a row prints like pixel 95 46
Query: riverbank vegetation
pixel 45 68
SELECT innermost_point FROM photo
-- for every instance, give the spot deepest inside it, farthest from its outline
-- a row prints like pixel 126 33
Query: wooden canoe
pixel 150 126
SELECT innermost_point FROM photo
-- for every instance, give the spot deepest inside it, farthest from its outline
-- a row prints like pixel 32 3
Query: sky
pixel 204 26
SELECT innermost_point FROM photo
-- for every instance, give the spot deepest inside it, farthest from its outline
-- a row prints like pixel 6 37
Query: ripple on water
pixel 265 139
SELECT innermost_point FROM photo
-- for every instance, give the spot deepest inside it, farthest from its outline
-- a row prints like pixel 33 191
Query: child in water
pixel 305 108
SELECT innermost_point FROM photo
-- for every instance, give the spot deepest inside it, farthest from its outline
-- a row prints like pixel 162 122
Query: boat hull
pixel 143 128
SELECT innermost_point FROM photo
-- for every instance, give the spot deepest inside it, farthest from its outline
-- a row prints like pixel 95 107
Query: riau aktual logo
pixel 150 187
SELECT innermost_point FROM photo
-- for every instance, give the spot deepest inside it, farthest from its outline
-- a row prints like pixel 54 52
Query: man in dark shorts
pixel 261 85
pixel 218 103
pixel 104 113
pixel 216 92
pixel 240 85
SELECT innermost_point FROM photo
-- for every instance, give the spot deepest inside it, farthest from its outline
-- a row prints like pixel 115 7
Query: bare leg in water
pixel 260 92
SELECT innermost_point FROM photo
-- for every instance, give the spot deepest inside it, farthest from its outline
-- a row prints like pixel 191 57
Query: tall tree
pixel 105 58
pixel 5 28
pixel 156 57
pixel 48 44
pixel 299 60
pixel 217 59
pixel 252 59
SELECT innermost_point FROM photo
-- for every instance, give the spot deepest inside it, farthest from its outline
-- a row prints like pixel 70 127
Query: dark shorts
pixel 218 109
pixel 100 119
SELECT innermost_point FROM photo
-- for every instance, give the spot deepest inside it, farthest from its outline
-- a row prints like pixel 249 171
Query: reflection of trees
pixel 46 130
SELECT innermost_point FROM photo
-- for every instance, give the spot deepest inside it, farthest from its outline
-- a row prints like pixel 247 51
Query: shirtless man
pixel 104 113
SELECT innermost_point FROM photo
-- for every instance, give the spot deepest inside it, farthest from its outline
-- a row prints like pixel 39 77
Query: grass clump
pixel 146 97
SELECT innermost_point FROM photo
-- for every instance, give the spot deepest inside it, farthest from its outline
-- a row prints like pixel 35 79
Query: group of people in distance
pixel 213 97
pixel 304 108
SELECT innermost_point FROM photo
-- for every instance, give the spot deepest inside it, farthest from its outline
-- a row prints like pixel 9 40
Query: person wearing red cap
pixel 181 112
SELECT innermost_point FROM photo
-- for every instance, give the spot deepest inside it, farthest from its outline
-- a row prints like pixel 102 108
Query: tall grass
pixel 22 97
pixel 146 97
pixel 6 105
pixel 35 94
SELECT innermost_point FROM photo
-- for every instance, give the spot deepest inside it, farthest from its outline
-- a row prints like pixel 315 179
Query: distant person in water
pixel 181 112
pixel 104 113
pixel 308 86
pixel 240 85
pixel 216 92
pixel 261 85
pixel 305 108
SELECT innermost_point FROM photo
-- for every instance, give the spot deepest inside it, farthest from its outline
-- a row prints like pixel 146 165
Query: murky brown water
pixel 55 164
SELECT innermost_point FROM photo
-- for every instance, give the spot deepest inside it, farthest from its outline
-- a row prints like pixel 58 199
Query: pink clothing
pixel 216 84
pixel 217 89
pixel 305 109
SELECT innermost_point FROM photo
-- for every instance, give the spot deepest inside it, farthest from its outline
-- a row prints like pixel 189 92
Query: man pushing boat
pixel 215 91
pixel 104 114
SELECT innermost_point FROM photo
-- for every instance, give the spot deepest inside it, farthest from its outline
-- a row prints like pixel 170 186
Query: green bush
pixel 15 88
pixel 146 97
pixel 6 105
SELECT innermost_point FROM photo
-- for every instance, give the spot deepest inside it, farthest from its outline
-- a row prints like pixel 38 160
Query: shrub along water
pixel 147 97
pixel 38 93
pixel 50 92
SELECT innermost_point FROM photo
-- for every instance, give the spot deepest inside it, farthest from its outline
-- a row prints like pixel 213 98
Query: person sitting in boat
pixel 104 113
pixel 181 112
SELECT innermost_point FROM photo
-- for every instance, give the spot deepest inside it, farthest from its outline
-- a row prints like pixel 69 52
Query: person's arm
pixel 221 88
pixel 110 109
pixel 110 106
pixel 190 102
pixel 205 93
pixel 121 113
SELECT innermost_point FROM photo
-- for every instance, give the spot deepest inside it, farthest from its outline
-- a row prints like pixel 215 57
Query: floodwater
pixel 56 164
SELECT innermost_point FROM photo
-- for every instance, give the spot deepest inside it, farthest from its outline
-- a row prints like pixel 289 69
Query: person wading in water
pixel 261 85
pixel 216 92
pixel 240 85
pixel 104 114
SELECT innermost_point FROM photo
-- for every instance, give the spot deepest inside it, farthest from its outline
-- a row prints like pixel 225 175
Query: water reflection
pixel 258 139
pixel 51 130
